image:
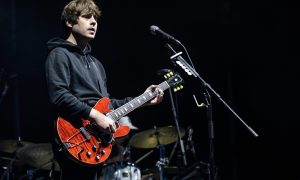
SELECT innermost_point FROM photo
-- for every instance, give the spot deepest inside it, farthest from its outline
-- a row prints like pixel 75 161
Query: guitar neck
pixel 135 103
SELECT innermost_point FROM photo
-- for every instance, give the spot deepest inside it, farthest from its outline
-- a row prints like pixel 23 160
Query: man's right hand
pixel 103 123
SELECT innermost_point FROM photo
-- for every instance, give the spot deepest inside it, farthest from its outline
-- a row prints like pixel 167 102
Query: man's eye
pixel 87 16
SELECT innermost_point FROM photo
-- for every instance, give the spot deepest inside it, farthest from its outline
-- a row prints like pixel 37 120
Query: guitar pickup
pixel 85 134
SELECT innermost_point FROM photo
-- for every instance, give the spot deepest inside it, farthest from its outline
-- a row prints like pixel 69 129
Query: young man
pixel 76 80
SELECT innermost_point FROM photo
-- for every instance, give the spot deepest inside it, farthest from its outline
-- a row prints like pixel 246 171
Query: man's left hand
pixel 159 95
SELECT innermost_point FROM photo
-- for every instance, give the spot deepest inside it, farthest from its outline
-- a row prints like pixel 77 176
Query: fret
pixel 135 103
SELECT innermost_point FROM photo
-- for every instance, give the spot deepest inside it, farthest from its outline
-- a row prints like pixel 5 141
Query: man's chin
pixel 89 38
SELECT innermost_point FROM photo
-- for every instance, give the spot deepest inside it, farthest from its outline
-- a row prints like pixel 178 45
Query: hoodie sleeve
pixel 58 82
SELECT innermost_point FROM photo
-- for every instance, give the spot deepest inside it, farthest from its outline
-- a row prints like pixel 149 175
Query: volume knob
pixel 88 154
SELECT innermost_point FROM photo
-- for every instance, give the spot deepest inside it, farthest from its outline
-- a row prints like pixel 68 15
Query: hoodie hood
pixel 59 42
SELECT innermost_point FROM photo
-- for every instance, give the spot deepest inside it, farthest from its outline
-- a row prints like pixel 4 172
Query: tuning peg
pixel 178 88
pixel 169 74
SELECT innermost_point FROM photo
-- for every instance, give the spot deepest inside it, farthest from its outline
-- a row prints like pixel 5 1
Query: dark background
pixel 246 50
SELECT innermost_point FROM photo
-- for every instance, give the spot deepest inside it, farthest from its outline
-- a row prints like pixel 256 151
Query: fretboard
pixel 135 103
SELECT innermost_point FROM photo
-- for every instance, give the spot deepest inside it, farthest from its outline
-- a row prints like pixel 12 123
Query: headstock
pixel 174 80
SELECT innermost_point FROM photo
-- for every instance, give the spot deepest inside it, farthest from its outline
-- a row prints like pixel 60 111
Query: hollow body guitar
pixel 85 144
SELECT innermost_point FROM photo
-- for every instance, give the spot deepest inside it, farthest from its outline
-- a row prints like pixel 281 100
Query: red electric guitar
pixel 88 146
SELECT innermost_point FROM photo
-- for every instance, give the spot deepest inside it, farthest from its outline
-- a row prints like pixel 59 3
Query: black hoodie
pixel 75 79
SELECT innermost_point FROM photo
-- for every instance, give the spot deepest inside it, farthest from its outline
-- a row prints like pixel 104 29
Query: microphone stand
pixel 177 59
pixel 178 129
pixel 191 71
pixel 211 136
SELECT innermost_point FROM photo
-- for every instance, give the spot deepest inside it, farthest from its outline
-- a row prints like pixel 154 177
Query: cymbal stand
pixel 162 160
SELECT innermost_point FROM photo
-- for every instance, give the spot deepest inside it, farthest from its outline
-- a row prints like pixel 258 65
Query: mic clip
pixel 178 59
pixel 199 105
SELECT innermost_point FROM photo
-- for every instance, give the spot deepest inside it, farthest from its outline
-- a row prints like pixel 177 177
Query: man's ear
pixel 69 24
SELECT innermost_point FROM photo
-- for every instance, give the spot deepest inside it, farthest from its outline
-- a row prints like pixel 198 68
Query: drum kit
pixel 26 160
pixel 148 139
pixel 34 157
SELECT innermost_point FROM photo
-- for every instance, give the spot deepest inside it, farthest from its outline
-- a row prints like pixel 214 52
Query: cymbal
pixel 10 146
pixel 157 136
pixel 38 156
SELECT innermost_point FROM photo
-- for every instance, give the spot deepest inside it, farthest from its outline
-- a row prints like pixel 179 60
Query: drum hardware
pixel 121 171
pixel 4 161
pixel 156 138
pixel 143 157
pixel 121 168
pixel 8 169
pixel 50 164
pixel 10 148
pixel 127 154
pixel 190 143
pixel 162 159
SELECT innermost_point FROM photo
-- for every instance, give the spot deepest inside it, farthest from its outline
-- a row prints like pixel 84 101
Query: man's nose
pixel 93 20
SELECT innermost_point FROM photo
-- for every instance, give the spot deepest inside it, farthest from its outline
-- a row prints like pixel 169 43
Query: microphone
pixel 155 31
